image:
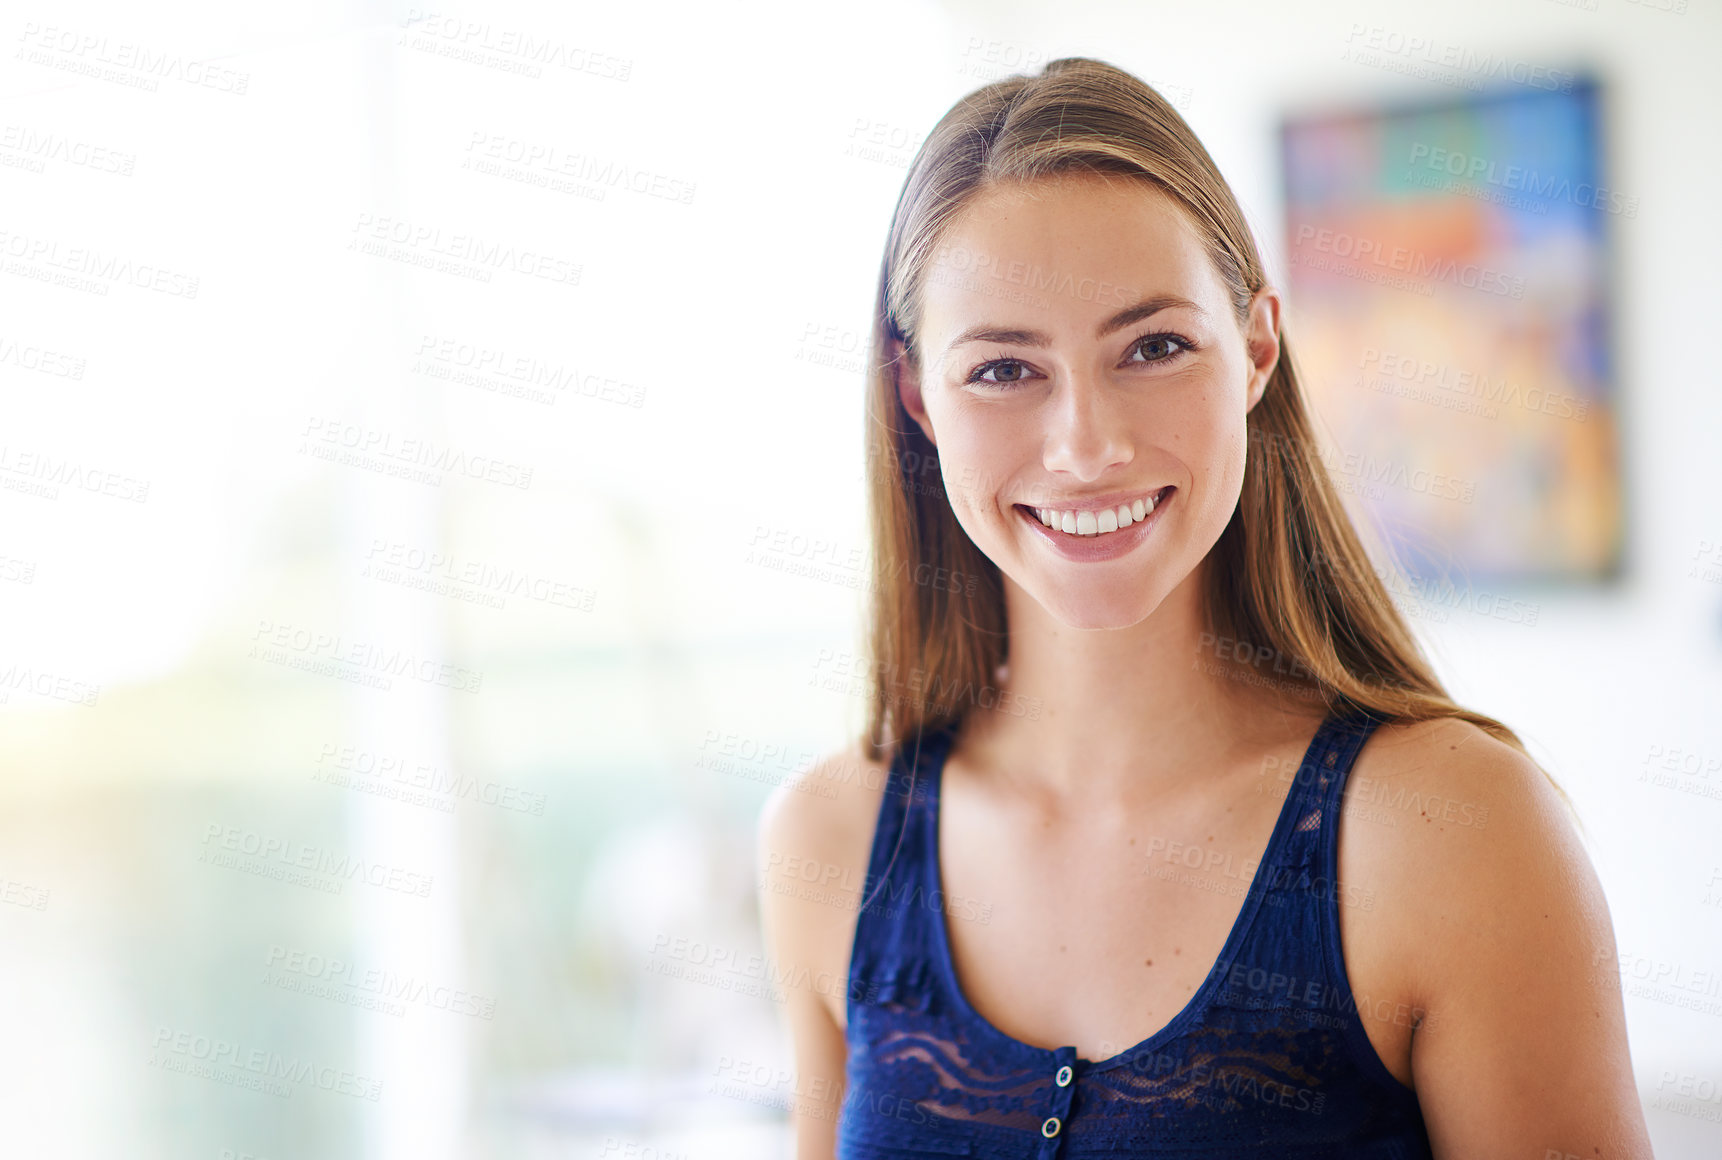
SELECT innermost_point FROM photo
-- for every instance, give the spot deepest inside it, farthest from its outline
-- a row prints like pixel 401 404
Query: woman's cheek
pixel 1213 437
pixel 963 478
pixel 972 459
pixel 1226 478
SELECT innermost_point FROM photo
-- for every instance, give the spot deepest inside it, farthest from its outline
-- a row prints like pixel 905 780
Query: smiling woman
pixel 1119 761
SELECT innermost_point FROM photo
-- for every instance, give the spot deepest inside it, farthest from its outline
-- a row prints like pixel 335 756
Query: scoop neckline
pixel 1197 1002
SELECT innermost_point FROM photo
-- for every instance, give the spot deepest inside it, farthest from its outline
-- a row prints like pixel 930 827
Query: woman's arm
pixel 1511 951
pixel 812 855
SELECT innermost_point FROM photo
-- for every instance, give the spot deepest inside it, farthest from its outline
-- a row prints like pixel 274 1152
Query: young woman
pixel 1092 884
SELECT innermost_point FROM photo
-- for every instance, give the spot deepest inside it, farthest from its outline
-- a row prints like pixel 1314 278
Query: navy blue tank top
pixel 1268 1059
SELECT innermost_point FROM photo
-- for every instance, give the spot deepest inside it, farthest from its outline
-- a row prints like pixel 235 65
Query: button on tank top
pixel 1268 1059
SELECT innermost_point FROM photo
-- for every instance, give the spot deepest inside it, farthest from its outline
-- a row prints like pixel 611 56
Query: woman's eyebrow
pixel 992 332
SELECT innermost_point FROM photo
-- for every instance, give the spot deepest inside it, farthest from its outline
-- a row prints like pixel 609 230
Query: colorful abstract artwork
pixel 1448 305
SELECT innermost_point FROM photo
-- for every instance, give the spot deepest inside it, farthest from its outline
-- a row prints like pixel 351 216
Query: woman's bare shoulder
pixel 828 808
pixel 1454 830
pixel 813 847
pixel 1499 929
pixel 1448 776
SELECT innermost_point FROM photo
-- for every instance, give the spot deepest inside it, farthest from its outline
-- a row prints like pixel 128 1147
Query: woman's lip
pixel 1122 499
pixel 1097 503
pixel 1103 546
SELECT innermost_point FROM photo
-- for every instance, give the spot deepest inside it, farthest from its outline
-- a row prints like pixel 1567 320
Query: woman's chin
pixel 1095 612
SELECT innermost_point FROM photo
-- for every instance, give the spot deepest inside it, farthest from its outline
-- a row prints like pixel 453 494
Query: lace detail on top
pixel 1268 1058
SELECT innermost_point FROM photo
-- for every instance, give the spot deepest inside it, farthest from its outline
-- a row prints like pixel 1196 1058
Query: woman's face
pixel 1080 363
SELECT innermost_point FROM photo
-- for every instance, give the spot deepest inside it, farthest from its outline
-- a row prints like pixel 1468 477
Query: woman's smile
pixel 1089 518
pixel 1089 534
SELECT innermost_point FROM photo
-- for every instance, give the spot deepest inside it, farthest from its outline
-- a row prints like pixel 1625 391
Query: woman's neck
pixel 1132 710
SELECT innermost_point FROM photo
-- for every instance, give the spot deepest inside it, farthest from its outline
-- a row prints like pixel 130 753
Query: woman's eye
pixel 1008 371
pixel 1154 348
pixel 1160 347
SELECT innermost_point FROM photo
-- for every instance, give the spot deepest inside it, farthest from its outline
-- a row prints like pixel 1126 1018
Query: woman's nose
pixel 1086 435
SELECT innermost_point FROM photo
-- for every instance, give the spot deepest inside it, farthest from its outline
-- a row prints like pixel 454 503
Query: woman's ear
pixel 1262 342
pixel 906 367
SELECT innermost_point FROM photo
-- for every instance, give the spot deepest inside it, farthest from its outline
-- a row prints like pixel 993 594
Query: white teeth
pixel 1096 523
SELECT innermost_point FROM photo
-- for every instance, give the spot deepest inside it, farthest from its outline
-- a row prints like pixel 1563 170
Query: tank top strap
pixel 1289 960
pixel 1317 785
pixel 894 947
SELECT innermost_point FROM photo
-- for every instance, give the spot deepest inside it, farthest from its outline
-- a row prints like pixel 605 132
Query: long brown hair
pixel 1288 581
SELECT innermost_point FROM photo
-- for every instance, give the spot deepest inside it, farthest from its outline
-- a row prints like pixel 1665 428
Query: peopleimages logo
pixel 336 441
pixel 1367 43
pixel 957 260
pixel 1415 373
pixel 134 64
pixel 269 856
pixel 421 244
pixel 1519 178
pixel 339 977
pixel 175 1050
pixel 106 269
pixel 1402 260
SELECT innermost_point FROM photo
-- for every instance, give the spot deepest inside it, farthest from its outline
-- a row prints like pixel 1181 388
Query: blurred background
pixel 431 512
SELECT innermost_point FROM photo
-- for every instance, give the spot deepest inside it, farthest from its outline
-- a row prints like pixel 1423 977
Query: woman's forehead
pixel 1064 252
